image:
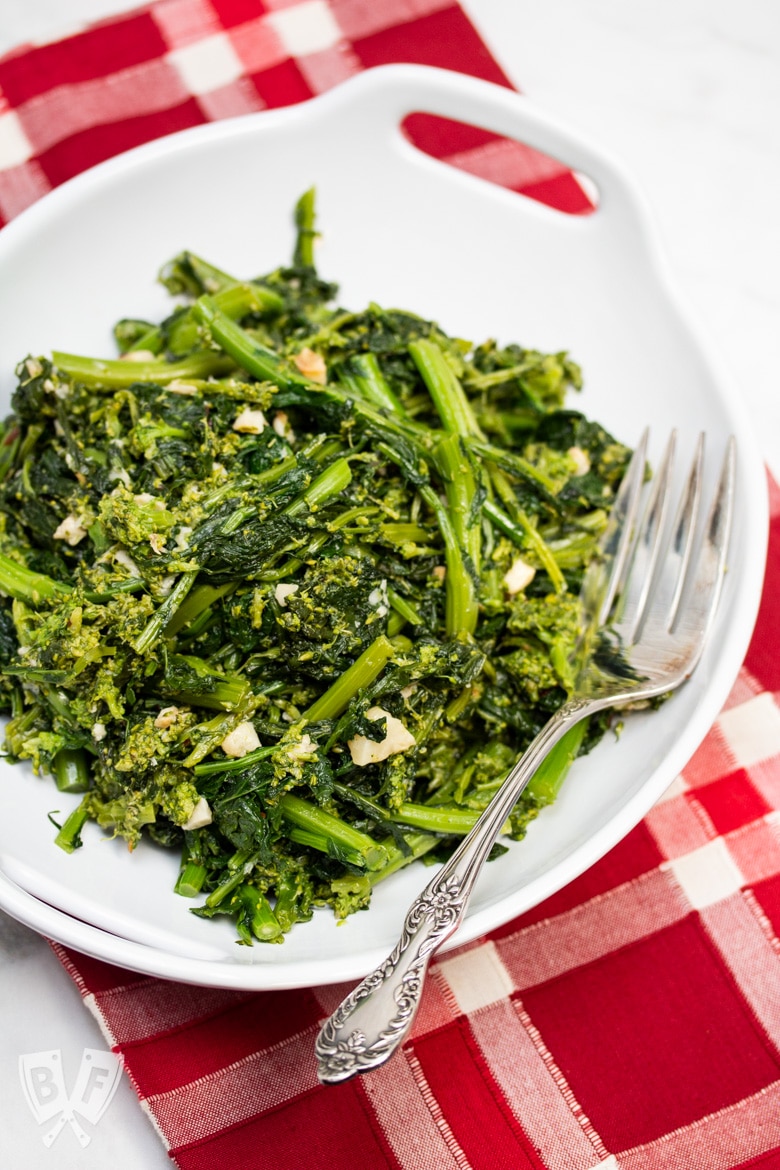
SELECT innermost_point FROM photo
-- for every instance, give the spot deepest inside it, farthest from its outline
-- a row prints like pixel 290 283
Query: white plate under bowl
pixel 405 230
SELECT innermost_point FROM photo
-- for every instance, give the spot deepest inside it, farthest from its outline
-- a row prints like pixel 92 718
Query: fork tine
pixel 664 599
pixel 618 537
pixel 644 559
pixel 702 595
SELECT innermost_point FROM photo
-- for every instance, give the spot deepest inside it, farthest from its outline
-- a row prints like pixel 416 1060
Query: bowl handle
pixel 380 98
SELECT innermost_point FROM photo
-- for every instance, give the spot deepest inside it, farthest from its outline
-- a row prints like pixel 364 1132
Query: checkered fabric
pixel 632 1020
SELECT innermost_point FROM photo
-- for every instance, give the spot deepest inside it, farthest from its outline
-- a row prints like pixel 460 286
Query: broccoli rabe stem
pixel 236 301
pixel 461 605
pixel 363 671
pixel 449 821
pixel 522 533
pixel 24 585
pixel 549 776
pixel 191 877
pixel 303 256
pixel 116 374
pixel 364 375
pixel 256 359
pixel 194 606
pixel 363 850
pixel 451 403
pixel 461 489
pixel 256 916
pixel 165 612
pixel 417 845
pixel 70 769
pixel 69 836
pixel 333 480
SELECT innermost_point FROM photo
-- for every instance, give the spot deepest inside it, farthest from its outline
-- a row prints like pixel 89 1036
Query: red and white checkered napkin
pixel 631 1021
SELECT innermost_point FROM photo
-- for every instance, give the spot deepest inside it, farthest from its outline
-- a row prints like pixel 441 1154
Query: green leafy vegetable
pixel 289 587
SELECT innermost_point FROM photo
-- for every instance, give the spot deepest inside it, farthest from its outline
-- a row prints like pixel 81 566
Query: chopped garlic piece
pixel 121 557
pixel 311 365
pixel 166 718
pixel 33 367
pixel 98 732
pixel 250 422
pixel 200 816
pixel 303 749
pixel 177 386
pixel 240 740
pixel 397 739
pixel 408 690
pixel 518 576
pixel 439 572
pixel 139 355
pixel 281 425
pixel 71 530
pixel 157 542
pixel 580 459
pixel 283 591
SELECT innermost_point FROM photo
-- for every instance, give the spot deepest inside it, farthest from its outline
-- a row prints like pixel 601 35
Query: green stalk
pixel 195 604
pixel 363 671
pixel 71 770
pixel 22 584
pixel 461 489
pixel 312 819
pixel 448 396
pixel 363 375
pixel 256 359
pixel 303 256
pixel 522 532
pixel 461 605
pixel 418 845
pixel 239 866
pixel 165 612
pixel 191 878
pixel 437 819
pixel 549 776
pixel 331 482
pixel 69 836
pixel 403 608
pixel 115 374
pixel 258 917
pixel 235 765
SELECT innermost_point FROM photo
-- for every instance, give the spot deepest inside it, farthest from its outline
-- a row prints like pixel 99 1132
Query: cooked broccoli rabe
pixel 288 587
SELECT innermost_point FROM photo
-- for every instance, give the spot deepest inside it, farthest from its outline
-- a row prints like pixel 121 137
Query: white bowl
pixel 405 230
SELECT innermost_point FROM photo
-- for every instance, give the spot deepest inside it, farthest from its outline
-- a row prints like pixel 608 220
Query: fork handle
pixel 375 1018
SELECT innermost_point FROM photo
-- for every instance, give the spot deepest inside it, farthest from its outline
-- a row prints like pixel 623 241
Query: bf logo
pixel 43 1082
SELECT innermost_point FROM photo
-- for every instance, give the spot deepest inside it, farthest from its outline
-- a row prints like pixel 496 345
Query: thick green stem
pixel 116 374
pixel 160 619
pixel 455 822
pixel 69 836
pixel 364 376
pixel 303 256
pixel 70 769
pixel 312 819
pixel 549 776
pixel 451 403
pixel 22 584
pixel 363 671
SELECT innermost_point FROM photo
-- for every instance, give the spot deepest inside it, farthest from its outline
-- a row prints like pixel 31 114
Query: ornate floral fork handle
pixel 667 601
pixel 374 1018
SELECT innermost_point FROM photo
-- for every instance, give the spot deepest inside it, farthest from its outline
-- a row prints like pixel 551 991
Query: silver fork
pixel 650 599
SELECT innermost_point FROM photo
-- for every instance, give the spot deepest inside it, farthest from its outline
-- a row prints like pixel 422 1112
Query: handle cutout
pixel 506 162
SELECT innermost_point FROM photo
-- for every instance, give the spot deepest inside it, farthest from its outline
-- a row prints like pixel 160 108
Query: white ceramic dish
pixel 402 229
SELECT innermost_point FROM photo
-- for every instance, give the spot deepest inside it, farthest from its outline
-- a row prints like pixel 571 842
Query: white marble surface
pixel 686 93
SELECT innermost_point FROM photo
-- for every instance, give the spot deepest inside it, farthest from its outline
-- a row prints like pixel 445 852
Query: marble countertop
pixel 685 93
